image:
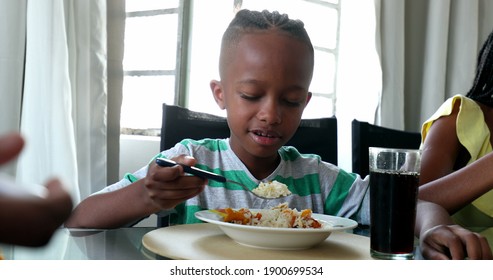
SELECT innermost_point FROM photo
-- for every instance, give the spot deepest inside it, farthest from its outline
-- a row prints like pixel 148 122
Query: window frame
pixel 183 55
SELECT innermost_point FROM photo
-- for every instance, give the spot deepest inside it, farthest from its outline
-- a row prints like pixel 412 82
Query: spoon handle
pixel 191 170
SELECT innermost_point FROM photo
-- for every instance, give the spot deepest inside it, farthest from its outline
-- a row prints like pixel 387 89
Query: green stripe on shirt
pixel 206 143
pixel 233 175
pixel 131 177
pixel 181 216
pixel 289 153
pixel 339 192
pixel 304 186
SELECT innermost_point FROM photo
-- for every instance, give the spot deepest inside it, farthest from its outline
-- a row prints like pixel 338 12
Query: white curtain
pixel 46 120
pixel 12 34
pixel 60 87
pixel 428 53
pixel 65 94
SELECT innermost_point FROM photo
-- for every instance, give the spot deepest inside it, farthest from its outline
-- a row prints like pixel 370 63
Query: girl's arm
pixel 439 182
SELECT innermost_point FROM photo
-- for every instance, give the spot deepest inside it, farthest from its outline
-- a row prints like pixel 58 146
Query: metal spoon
pixel 206 174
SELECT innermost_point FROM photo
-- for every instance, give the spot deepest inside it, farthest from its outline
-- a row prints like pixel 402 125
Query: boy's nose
pixel 270 112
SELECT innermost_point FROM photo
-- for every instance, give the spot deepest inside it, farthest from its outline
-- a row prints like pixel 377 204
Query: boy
pixel 266 66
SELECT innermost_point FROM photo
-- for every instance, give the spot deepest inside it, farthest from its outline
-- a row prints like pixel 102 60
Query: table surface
pixel 208 242
pixel 194 241
pixel 86 244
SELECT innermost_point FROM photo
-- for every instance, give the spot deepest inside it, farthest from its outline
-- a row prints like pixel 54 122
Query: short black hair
pixel 246 21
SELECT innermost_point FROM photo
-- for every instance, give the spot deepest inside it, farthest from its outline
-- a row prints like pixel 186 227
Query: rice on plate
pixel 280 216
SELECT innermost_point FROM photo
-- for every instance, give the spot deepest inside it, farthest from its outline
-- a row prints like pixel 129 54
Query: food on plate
pixel 280 216
pixel 272 189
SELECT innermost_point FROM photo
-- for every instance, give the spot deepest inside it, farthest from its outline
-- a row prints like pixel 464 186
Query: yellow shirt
pixel 474 134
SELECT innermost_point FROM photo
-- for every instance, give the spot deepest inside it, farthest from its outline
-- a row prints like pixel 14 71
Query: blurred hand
pixel 58 202
pixel 10 146
pixel 30 220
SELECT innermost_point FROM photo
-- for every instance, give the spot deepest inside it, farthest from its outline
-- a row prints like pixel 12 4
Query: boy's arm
pixel 113 209
pixel 162 188
pixel 440 238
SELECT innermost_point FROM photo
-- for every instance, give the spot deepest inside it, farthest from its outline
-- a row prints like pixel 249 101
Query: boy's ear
pixel 309 96
pixel 218 93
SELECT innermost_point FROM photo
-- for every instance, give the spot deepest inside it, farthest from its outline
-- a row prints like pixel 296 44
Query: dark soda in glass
pixel 393 215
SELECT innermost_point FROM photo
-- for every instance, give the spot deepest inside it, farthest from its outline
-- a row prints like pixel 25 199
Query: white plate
pixel 278 238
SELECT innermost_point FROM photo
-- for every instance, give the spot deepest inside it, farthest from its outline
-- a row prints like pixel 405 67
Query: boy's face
pixel 264 88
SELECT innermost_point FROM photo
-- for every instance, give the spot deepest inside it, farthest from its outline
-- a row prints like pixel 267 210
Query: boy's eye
pixel 293 103
pixel 248 96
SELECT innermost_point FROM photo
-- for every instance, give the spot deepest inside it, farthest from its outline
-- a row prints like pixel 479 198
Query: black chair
pixel 365 135
pixel 315 136
pixel 180 123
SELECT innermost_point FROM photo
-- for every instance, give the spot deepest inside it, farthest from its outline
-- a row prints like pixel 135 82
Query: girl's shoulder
pixel 457 107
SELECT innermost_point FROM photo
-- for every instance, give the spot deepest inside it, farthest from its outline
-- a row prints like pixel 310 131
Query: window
pixel 149 63
pixel 172 50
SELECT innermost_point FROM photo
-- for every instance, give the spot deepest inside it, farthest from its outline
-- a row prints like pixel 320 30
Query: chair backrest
pixel 315 136
pixel 180 123
pixel 365 135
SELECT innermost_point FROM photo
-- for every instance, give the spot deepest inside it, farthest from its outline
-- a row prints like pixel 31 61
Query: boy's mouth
pixel 264 137
pixel 265 134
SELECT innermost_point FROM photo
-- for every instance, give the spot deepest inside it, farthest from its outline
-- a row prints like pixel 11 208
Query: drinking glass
pixel 394 178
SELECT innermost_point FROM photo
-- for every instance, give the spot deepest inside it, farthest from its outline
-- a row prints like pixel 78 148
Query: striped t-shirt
pixel 315 184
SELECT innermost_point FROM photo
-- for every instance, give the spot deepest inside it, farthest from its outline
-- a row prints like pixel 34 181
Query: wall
pixel 135 152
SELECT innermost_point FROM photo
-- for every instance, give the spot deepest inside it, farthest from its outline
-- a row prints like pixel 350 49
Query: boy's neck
pixel 261 168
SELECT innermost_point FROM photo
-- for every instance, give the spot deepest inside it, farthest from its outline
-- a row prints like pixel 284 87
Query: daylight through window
pixel 172 50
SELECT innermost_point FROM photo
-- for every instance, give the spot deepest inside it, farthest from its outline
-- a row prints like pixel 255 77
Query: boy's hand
pixel 446 242
pixel 169 186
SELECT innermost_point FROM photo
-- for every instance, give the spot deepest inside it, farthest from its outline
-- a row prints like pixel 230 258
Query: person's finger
pixel 163 174
pixel 184 159
pixel 10 146
pixel 472 246
pixel 431 253
pixel 440 243
pixel 486 249
pixel 166 200
pixel 180 184
pixel 476 245
pixel 174 194
pixel 57 190
pixel 54 184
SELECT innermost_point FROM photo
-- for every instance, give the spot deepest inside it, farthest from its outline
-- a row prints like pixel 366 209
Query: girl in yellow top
pixel 457 163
